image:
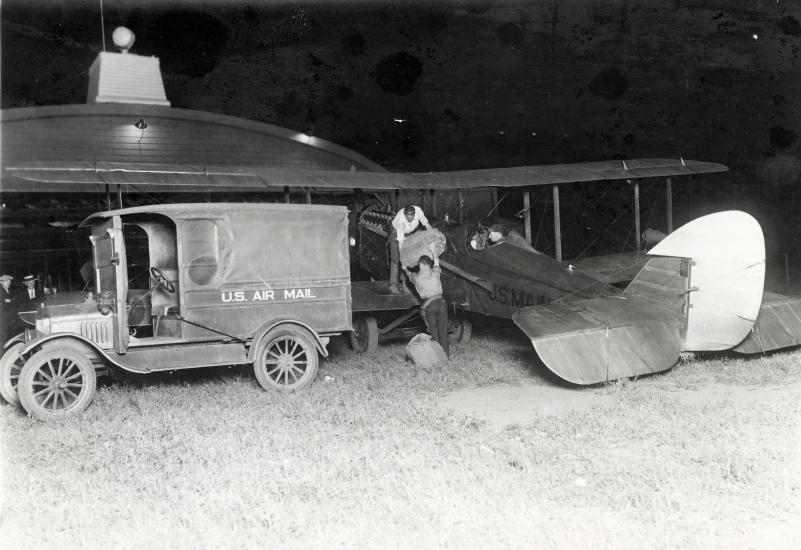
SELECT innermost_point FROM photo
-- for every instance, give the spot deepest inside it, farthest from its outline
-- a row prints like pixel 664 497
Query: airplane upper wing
pixel 77 175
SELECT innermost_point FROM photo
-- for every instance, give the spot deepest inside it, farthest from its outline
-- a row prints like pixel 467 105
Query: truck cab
pixel 193 285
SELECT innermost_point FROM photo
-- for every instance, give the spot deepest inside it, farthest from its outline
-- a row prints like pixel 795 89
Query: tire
pixel 364 337
pixel 460 330
pixel 56 382
pixel 286 359
pixel 10 367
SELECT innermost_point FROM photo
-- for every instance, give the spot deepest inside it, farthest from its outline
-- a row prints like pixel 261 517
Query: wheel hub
pixel 59 383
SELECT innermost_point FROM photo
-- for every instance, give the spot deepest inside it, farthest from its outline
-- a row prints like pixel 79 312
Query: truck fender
pixel 14 339
pixel 70 340
pixel 267 327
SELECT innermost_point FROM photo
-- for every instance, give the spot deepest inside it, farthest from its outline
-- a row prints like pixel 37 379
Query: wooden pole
pixel 557 224
pixel 669 195
pixel 358 197
pixel 460 206
pixel 637 231
pixel 787 272
pixel 527 214
pixel 119 196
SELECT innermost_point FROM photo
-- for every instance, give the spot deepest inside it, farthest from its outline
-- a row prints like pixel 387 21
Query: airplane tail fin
pixel 700 291
pixel 727 277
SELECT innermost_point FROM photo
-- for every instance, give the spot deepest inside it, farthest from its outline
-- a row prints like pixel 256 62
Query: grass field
pixel 368 457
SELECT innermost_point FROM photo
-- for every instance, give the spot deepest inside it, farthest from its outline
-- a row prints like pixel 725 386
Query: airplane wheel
pixel 10 367
pixel 460 330
pixel 364 337
pixel 56 382
pixel 286 359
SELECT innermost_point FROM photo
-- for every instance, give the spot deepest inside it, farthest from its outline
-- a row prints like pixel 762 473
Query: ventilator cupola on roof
pixel 125 77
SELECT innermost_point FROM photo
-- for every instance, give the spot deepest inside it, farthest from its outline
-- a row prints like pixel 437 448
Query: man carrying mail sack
pixel 434 310
pixel 405 222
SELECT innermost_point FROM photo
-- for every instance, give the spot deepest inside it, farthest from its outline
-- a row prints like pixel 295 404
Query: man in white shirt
pixel 405 222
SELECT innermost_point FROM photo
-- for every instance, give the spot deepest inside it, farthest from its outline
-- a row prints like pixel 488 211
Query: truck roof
pixel 183 211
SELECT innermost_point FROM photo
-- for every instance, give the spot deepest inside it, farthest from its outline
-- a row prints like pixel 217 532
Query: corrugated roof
pixel 106 133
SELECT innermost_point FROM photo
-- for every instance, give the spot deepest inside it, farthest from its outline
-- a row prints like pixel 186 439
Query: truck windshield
pixel 104 254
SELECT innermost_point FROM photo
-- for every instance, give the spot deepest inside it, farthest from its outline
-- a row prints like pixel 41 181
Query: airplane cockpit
pixel 486 237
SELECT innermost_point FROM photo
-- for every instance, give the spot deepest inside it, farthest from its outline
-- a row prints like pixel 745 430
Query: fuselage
pixel 494 280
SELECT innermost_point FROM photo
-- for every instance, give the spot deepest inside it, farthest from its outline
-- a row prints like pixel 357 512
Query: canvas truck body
pixel 194 285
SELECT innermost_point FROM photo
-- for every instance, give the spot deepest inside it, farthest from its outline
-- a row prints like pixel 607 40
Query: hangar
pixel 128 121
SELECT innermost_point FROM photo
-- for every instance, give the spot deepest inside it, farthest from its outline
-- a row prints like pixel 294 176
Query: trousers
pixel 394 259
pixel 435 315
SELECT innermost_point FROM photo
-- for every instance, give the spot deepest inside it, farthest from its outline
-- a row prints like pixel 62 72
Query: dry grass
pixel 366 458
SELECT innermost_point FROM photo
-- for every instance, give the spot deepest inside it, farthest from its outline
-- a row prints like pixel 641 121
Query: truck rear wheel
pixel 56 382
pixel 10 367
pixel 364 337
pixel 286 359
pixel 460 330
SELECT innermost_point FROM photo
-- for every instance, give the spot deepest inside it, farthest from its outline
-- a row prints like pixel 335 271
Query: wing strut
pixel 669 197
pixel 557 223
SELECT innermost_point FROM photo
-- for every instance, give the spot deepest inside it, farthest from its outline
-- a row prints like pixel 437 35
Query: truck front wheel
pixel 56 382
pixel 286 359
pixel 10 367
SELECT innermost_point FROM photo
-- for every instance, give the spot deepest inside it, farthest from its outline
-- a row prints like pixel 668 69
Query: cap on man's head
pixel 29 278
pixel 4 277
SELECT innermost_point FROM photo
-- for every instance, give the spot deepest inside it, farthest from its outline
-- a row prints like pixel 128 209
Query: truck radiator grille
pixel 97 331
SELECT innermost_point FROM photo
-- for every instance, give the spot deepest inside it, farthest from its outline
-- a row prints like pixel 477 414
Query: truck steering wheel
pixel 161 279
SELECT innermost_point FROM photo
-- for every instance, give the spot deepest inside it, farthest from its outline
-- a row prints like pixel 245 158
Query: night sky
pixel 453 85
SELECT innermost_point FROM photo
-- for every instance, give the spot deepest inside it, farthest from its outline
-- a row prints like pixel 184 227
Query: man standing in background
pixel 8 309
pixel 30 296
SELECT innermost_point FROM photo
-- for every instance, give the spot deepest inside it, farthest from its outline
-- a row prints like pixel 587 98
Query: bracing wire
pixel 542 221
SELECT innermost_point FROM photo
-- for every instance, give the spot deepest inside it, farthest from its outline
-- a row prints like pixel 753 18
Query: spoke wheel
pixel 56 383
pixel 460 330
pixel 364 337
pixel 286 359
pixel 10 367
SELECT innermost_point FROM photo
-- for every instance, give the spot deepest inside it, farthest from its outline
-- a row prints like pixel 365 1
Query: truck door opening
pixel 153 290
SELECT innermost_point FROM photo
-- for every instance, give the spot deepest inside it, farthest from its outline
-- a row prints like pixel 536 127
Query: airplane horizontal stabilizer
pixel 778 325
pixel 601 339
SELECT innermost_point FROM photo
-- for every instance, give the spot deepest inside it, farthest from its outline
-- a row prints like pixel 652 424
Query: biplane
pixel 700 289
